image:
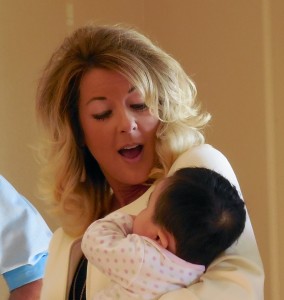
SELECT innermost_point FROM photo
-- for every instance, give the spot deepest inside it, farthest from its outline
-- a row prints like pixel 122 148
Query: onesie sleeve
pixel 108 245
pixel 140 266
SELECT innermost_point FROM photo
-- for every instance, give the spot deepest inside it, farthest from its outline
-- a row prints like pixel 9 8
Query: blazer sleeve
pixel 238 272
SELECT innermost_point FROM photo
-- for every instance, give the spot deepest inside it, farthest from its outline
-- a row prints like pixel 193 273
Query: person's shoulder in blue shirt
pixel 24 240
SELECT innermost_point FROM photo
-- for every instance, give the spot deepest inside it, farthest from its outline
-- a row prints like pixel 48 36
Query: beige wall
pixel 232 49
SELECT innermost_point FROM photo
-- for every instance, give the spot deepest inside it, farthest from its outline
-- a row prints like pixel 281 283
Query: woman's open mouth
pixel 131 151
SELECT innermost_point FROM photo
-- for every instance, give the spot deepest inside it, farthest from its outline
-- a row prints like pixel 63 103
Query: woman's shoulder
pixel 205 156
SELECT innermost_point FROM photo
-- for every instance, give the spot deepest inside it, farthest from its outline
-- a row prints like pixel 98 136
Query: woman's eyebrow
pixel 96 98
pixel 133 88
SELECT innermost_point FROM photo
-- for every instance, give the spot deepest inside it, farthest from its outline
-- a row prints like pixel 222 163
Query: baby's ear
pixel 163 238
pixel 167 240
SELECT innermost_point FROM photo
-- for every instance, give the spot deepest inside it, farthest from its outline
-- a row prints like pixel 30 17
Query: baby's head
pixel 196 213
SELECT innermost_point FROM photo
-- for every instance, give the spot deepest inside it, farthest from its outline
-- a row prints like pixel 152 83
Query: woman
pixel 120 113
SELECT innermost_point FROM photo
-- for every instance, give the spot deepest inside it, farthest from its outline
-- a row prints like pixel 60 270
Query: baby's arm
pixel 106 244
pixel 137 264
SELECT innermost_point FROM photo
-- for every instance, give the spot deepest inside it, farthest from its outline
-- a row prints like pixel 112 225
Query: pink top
pixel 138 266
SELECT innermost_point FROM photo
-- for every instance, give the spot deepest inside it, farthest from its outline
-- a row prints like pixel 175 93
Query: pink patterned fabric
pixel 138 266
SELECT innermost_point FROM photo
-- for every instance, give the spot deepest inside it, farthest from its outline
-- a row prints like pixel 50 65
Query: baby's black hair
pixel 203 211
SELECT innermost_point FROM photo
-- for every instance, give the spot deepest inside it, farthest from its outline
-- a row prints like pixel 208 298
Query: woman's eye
pixel 139 106
pixel 102 116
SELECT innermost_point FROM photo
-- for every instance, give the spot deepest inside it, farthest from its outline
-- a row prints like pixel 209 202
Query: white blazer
pixel 237 274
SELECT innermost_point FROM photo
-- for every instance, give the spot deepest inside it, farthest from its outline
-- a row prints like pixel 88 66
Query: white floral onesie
pixel 138 266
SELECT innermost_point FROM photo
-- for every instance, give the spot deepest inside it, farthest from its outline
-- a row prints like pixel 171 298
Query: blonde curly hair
pixel 72 181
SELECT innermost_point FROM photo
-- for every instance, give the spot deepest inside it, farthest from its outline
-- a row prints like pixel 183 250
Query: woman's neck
pixel 125 195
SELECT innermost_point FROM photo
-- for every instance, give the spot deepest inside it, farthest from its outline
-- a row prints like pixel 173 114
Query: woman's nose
pixel 127 122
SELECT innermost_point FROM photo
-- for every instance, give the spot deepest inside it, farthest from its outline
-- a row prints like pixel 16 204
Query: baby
pixel 191 217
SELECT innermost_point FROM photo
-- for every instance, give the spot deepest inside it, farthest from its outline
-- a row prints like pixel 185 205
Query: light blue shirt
pixel 24 238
